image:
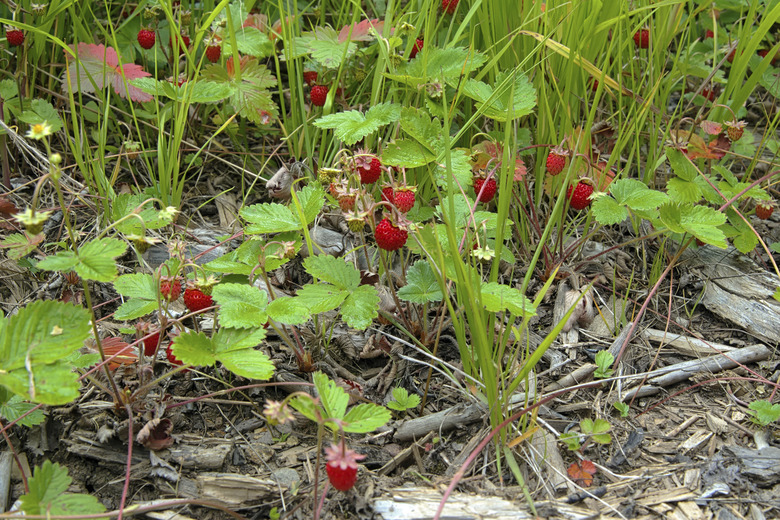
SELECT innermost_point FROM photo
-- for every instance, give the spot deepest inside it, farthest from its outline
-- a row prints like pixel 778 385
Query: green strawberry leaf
pixel 136 285
pixel 365 418
pixel 407 153
pixel 682 191
pixel 135 308
pixel 360 307
pixel 250 41
pixel 13 406
pixel 289 311
pixel 607 211
pixel 269 218
pixel 438 65
pixel 461 170
pixel 194 348
pixel 33 344
pixel 681 165
pixel 352 126
pixel 47 495
pixel 421 284
pixel 669 214
pixel 702 222
pixel 320 298
pixel 333 398
pixel 496 103
pixel 764 412
pixel 240 305
pixel 333 270
pixel 311 198
pixel 419 125
pixel 42 111
pixel 498 298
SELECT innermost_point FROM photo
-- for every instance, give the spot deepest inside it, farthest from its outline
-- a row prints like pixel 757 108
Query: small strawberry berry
pixel 735 129
pixel 342 466
pixel 355 222
pixel 14 37
pixel 418 45
pixel 146 38
pixel 709 94
pixel 185 39
pixel 171 358
pixel 150 343
pixel 449 6
pixel 196 300
pixel 310 77
pixel 319 94
pixel 388 194
pixel 764 210
pixel 389 236
pixel 485 189
pixel 556 160
pixel 579 195
pixel 170 289
pixel 404 199
pixel 346 201
pixel 213 52
pixel 642 38
pixel 730 57
pixel 709 34
pixel 371 174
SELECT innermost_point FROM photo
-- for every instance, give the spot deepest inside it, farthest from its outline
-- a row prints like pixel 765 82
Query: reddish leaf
pixel 125 354
pixel 489 152
pixel 96 67
pixel 360 31
pixel 711 127
pixel 582 472
pixel 720 145
pixel 258 21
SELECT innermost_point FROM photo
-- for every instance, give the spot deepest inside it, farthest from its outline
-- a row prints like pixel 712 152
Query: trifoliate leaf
pixel 290 311
pixel 636 195
pixel 360 307
pixel 682 191
pixel 333 270
pixel 365 418
pixel 194 348
pixel 311 198
pixel 352 126
pixel 765 413
pixel 333 398
pixel 269 218
pixel 97 259
pixel 670 216
pixel 240 305
pixel 136 285
pixel 421 284
pixel 135 308
pixel 47 495
pixel 498 298
pixel 702 222
pixel 321 297
pixel 681 165
pixel 418 124
pixel 607 211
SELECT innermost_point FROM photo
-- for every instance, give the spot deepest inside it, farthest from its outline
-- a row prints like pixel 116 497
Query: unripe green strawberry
pixel 355 222
pixel 735 129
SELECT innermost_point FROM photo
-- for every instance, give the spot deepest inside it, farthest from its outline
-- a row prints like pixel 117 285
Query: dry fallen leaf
pixel 156 434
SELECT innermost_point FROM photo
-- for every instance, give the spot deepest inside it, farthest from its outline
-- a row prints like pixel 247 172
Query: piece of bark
pixel 6 461
pixel 672 374
pixel 737 290
pixel 445 420
pixel 685 344
pixel 583 374
pixel 761 467
pixel 421 504
pixel 544 447
pixel 236 491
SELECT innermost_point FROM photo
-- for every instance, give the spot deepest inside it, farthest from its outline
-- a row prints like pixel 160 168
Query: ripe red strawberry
pixel 371 174
pixel 449 6
pixel 556 160
pixel 150 343
pixel 709 34
pixel 709 94
pixel 170 289
pixel 342 466
pixel 146 38
pixel 418 45
pixel 310 77
pixel 404 199
pixel 730 57
pixel 735 129
pixel 764 210
pixel 485 189
pixel 171 358
pixel 642 38
pixel 213 52
pixel 319 94
pixel 14 37
pixel 388 194
pixel 196 300
pixel 389 236
pixel 579 195
pixel 185 39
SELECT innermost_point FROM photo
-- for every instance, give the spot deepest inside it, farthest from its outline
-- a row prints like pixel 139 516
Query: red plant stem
pixel 126 485
pixel 15 455
pixel 134 510
pixel 474 454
